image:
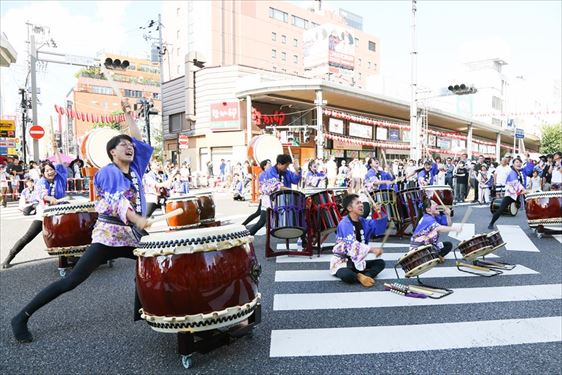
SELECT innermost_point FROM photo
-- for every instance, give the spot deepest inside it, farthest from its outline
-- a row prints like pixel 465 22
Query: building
pixel 269 35
pixel 235 103
pixel 93 94
pixel 8 54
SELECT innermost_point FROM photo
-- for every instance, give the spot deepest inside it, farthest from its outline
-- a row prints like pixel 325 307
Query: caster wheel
pixel 62 272
pixel 186 361
pixel 535 231
pixel 110 263
pixel 539 235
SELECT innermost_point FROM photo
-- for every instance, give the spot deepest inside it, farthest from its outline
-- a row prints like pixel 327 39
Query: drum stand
pixel 206 341
pixel 485 268
pixel 433 292
pixel 269 251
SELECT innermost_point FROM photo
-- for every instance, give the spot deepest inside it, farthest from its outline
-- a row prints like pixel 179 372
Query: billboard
pixel 225 116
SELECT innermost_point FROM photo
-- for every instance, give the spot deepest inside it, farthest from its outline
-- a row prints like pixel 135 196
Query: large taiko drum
pixel 411 199
pixel 418 260
pixel 445 192
pixel 389 200
pixel 197 280
pixel 322 210
pixel 263 147
pixel 477 246
pixel 287 215
pixel 190 218
pixel 544 210
pixel 93 146
pixel 206 206
pixel 67 227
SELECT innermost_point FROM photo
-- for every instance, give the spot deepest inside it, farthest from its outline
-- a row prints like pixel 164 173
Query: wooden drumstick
pixel 176 212
pixel 387 233
pixel 465 217
pixel 112 83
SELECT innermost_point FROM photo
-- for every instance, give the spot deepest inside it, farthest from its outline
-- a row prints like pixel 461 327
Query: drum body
pixel 189 218
pixel 475 247
pixel 389 200
pixel 495 240
pixel 411 199
pixel 93 146
pixel 511 209
pixel 322 211
pixel 190 281
pixel 287 219
pixel 265 146
pixel 418 261
pixel 206 207
pixel 445 192
pixel 544 209
pixel 67 228
pixel 339 195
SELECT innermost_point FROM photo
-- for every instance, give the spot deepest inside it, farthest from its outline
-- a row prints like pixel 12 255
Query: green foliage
pixel 91 71
pixel 157 142
pixel 551 140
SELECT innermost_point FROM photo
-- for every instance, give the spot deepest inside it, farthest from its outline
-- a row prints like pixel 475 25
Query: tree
pixel 551 140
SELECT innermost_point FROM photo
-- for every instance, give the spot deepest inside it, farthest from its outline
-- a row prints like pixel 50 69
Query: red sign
pixel 261 120
pixel 183 141
pixel 36 132
pixel 225 116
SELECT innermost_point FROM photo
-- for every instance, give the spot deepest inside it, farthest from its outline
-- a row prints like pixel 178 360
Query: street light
pixel 462 89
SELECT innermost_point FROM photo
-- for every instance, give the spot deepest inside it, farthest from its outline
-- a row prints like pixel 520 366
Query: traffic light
pixel 306 136
pixel 116 64
pixel 462 89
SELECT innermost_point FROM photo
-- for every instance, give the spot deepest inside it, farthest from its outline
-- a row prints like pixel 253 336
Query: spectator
pixel 222 169
pixel 535 182
pixel 461 175
pixel 34 171
pixel 28 200
pixel 331 171
pixel 485 181
pixel 4 179
pixel 449 168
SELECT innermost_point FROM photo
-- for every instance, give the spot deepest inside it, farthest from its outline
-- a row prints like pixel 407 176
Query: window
pixel 372 46
pixel 278 15
pixel 283 56
pixel 149 69
pixel 273 36
pixel 496 121
pixel 368 65
pixel 155 95
pixel 295 42
pixel 314 24
pixel 356 42
pixel 133 93
pixel 497 103
pixel 299 22
pixel 284 39
pixel 273 53
pixel 284 70
pixel 295 59
pixel 101 90
pixel 175 122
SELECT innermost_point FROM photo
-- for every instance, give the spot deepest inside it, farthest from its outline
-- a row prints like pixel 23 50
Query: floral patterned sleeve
pixel 513 188
pixel 267 187
pixel 348 247
pixel 113 205
pixel 370 184
pixel 42 191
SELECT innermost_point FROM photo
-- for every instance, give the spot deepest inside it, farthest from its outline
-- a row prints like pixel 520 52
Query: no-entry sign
pixel 36 132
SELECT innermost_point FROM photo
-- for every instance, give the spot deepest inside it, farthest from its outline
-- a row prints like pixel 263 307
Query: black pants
pixel 150 208
pixel 253 216
pixel 366 210
pixel 260 224
pixel 95 255
pixel 446 249
pixel 349 273
pixel 474 184
pixel 35 228
pixel 30 210
pixel 506 201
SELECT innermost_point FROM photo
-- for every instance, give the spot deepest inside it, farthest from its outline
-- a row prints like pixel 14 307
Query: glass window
pixel 372 46
pixel 284 39
pixel 101 90
pixel 273 36
pixel 295 42
pixel 368 65
pixel 299 22
pixel 273 53
pixel 497 103
pixel 175 122
pixel 149 69
pixel 295 59
pixel 283 56
pixel 278 15
pixel 356 42
pixel 133 93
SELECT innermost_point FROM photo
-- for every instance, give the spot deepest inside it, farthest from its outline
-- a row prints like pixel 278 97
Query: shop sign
pixel 225 116
pixel 382 133
pixel 352 154
pixel 339 145
pixel 394 135
pixel 361 131
pixel 7 142
pixel 337 153
pixel 7 125
pixel 335 126
pixel 443 143
pixel 262 120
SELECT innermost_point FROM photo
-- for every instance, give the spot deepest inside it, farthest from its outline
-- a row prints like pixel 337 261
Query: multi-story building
pixel 93 93
pixel 270 35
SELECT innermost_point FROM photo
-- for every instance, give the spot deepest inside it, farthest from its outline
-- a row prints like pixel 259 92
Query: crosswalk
pixel 305 287
pixel 11 212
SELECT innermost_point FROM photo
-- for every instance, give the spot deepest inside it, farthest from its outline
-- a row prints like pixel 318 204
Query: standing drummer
pixel 349 261
pixel 50 187
pixel 430 226
pixel 276 178
pixel 427 175
pixel 376 178
pixel 120 204
pixel 314 178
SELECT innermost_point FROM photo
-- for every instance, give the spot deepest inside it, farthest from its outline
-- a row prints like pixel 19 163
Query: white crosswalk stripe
pixel 516 239
pixel 326 258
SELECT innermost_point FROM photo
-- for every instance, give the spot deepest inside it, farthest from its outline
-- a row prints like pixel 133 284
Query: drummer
pixel 314 178
pixel 120 204
pixel 153 184
pixel 430 226
pixel 276 178
pixel 375 179
pixel 50 187
pixel 264 165
pixel 427 175
pixel 514 187
pixel 349 260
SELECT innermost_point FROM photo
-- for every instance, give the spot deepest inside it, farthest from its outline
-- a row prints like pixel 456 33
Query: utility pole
pixel 24 122
pixel 33 70
pixel 415 153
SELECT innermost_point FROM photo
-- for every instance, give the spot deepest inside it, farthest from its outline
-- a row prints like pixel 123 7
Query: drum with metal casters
pixel 67 227
pixel 197 280
pixel 418 260
pixel 287 215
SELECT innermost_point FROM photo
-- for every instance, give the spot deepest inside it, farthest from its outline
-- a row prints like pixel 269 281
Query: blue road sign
pixel 519 133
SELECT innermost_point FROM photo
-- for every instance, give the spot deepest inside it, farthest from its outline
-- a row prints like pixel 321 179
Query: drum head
pixel 267 147
pixel 287 232
pixel 422 268
pixel 95 146
pixel 513 209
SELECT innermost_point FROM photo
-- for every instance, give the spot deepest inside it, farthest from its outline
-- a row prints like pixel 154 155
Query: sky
pixel 526 34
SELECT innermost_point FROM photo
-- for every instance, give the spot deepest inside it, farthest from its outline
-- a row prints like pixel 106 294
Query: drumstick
pixel 387 233
pixel 465 217
pixel 107 75
pixel 176 212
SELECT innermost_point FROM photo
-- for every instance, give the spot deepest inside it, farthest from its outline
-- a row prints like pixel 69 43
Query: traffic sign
pixel 36 132
pixel 519 133
pixel 183 141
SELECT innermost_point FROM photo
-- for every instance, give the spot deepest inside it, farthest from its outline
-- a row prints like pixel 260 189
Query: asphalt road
pixel 311 323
